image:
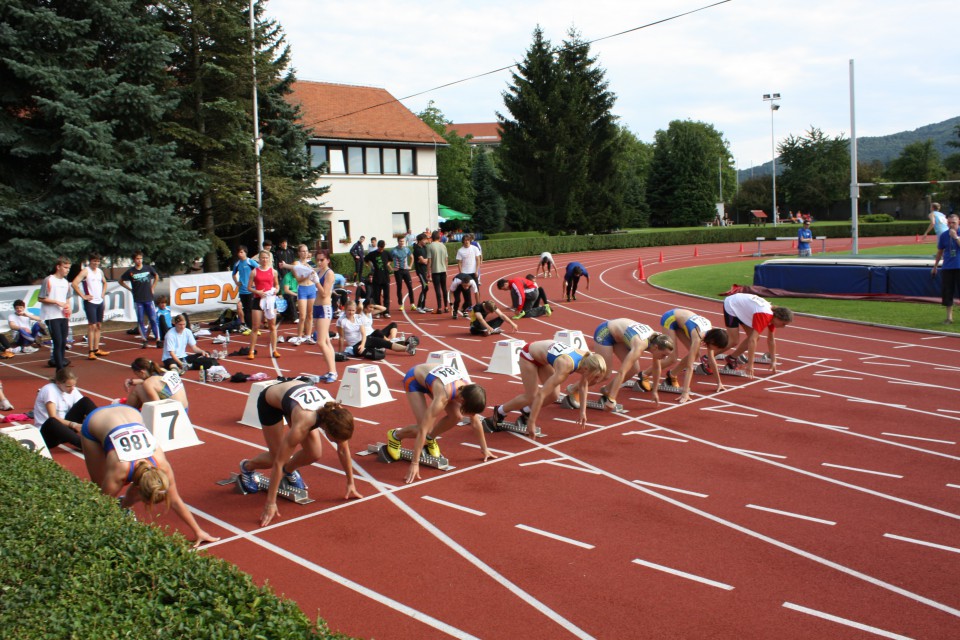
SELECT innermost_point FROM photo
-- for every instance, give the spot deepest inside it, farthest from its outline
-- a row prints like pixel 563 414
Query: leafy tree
pixel 683 184
pixel 754 194
pixel 918 162
pixel 83 95
pixel 871 172
pixel 635 163
pixel 489 213
pixel 559 150
pixel 816 171
pixel 454 187
pixel 212 72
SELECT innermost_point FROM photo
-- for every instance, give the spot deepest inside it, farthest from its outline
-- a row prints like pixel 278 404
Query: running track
pixel 821 502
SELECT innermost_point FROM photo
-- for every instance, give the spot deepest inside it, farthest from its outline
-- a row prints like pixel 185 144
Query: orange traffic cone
pixel 741 247
pixel 696 252
pixel 918 237
pixel 793 244
pixel 661 257
pixel 640 274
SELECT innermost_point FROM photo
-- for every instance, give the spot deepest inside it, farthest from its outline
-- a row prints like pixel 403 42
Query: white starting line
pixel 790 514
pixel 844 621
pixel 901 435
pixel 683 574
pixel 923 543
pixel 876 473
pixel 674 489
pixel 453 506
pixel 553 536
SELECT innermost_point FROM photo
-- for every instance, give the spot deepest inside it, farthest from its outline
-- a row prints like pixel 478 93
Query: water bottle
pixel 203 375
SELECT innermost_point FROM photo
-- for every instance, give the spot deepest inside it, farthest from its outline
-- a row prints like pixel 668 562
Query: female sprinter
pixel 153 383
pixel 264 285
pixel 120 450
pixel 323 314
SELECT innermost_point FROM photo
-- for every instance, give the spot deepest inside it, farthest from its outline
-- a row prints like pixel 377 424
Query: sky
pixel 712 66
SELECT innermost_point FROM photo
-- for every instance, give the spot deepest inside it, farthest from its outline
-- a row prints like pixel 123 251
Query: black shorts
pixel 729 321
pixel 267 414
pixel 93 311
pixel 544 261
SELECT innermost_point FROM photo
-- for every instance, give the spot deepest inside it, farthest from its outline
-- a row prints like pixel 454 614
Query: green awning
pixel 452 214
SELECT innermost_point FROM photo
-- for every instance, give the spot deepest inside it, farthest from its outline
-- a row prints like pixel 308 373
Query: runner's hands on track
pixel 413 473
pixel 488 455
pixel 203 537
pixel 582 418
pixel 270 512
pixel 352 493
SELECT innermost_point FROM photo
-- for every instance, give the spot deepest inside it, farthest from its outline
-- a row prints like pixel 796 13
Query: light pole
pixel 773 99
pixel 257 140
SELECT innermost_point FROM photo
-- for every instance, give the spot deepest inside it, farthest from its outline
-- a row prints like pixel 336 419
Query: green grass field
pixel 713 280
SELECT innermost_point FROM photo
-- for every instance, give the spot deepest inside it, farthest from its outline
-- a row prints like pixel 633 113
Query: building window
pixel 354 159
pixel 344 232
pixel 406 162
pixel 401 222
pixel 337 163
pixel 318 155
pixel 390 161
pixel 373 159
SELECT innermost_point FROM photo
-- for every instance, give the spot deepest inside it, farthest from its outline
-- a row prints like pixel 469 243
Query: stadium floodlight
pixel 774 106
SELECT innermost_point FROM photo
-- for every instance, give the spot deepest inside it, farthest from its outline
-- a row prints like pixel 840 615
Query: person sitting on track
pixel 528 299
pixel 480 326
pixel 306 408
pixel 544 366
pixel 755 314
pixel 571 279
pixel 175 346
pixel 627 340
pixel 356 336
pixel 60 409
pixel 687 328
pixel 546 266
pixel 119 450
pixel 153 383
pixel 451 398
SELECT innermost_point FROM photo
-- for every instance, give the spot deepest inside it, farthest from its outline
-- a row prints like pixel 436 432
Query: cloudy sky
pixel 712 66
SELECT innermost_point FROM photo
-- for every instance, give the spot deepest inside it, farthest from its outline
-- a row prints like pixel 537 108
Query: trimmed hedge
pixel 74 565
pixel 533 246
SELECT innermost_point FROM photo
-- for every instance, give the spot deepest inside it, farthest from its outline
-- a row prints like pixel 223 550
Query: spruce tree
pixel 83 94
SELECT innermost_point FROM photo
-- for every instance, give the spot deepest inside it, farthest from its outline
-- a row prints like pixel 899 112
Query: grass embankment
pixel 713 280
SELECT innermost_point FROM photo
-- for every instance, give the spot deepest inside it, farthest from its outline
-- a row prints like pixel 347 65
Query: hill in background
pixel 886 148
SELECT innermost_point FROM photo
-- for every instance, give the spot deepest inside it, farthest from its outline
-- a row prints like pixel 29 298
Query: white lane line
pixel 900 435
pixel 758 453
pixel 554 536
pixel 593 426
pixel 934 338
pixel 470 339
pixel 948 410
pixel 883 364
pixel 499 452
pixel 557 463
pixel 951 369
pixel 674 489
pixel 356 419
pixel 921 542
pixel 683 574
pixel 876 473
pixel 882 404
pixel 474 375
pixel 733 413
pixel 515 381
pixel 453 506
pixel 818 424
pixel 844 621
pixel 653 435
pixel 910 383
pixel 830 375
pixel 953 486
pixel 793 393
pixel 790 514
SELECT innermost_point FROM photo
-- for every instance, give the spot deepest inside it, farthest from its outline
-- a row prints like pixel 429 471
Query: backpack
pixel 226 321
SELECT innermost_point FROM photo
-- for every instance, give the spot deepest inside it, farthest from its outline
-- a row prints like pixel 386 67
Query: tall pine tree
pixel 83 94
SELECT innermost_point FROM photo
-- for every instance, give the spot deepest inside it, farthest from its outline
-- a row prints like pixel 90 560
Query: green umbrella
pixel 452 214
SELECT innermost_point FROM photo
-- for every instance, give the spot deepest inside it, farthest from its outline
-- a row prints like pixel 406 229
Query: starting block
pixel 566 403
pixel 29 437
pixel 573 339
pixel 506 357
pixel 380 450
pixel 250 417
pixel 513 427
pixel 666 388
pixel 725 371
pixel 169 423
pixel 452 359
pixel 285 491
pixel 363 385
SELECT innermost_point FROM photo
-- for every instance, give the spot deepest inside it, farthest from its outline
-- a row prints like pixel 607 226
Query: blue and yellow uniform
pixel 694 323
pixel 604 337
pixel 446 375
pixel 107 443
pixel 556 350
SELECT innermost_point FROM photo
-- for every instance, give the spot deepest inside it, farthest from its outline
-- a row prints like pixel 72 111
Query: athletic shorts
pixel 93 311
pixel 544 261
pixel 730 321
pixel 268 414
pixel 603 337
pixel 321 311
pixel 525 354
pixel 411 384
pixel 307 292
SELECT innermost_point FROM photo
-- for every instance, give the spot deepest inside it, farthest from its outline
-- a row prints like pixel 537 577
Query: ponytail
pixel 336 421
pixel 152 483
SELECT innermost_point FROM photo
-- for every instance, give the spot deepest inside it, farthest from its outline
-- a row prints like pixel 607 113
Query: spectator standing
pixel 401 260
pixel 438 257
pixel 373 245
pixel 356 252
pixel 142 281
pixel 410 238
pixel 421 262
pixel 948 248
pixel 90 285
pixel 55 310
pixel 804 237
pixel 241 276
pixel 938 221
pixel 284 252
pixel 380 287
pixel 468 258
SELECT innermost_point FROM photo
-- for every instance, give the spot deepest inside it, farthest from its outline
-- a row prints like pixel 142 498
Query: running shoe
pixel 547 310
pixel 393 445
pixel 99 352
pixel 220 340
pixel 295 340
pixel 310 340
pixel 245 332
pixel 252 355
pixel 328 378
pixel 732 363
pixel 496 331
pixel 431 447
pixel 159 345
pixel 420 310
pixel 705 365
pixel 412 343
pixel 574 298
pixel 247 480
pixel 143 345
pixel 293 480
pixel 644 383
pixel 276 354
pixel 91 356
pixel 6 406
pixel 568 298
pixel 386 315
pixel 671 380
pixel 519 315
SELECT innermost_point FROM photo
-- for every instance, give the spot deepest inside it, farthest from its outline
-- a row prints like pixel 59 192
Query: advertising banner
pixel 118 301
pixel 203 292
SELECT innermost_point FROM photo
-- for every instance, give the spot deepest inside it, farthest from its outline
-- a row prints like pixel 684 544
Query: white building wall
pixel 368 202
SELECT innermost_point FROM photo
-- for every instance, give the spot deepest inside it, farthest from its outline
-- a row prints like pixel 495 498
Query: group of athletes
pixel 294 413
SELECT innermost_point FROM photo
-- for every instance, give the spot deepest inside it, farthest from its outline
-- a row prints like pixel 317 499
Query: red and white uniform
pixel 751 310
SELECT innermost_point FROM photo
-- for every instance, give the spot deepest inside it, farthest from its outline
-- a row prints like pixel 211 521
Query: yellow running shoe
pixel 393 445
pixel 645 383
pixel 431 447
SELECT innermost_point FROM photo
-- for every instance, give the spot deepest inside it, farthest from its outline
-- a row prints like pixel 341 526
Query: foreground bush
pixel 73 565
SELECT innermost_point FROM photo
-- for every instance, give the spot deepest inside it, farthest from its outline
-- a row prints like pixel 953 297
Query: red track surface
pixel 854 441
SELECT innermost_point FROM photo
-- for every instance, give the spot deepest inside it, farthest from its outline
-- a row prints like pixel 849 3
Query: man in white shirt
pixel 29 328
pixel 55 310
pixel 468 258
pixel 90 285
